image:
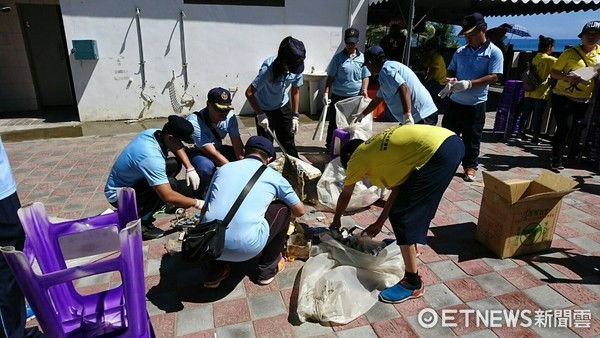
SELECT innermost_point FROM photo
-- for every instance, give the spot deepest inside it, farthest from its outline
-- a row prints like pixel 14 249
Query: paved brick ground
pixel 68 176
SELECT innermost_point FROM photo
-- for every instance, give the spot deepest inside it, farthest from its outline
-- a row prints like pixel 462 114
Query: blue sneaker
pixel 399 293
pixel 29 312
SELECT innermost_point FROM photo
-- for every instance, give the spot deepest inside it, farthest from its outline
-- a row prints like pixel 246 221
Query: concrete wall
pixel 225 46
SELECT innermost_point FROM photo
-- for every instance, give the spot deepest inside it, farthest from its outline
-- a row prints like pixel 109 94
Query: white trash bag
pixel 346 112
pixel 339 284
pixel 331 183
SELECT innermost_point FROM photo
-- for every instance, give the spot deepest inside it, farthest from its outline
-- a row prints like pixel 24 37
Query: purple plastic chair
pixel 62 311
pixel 338 140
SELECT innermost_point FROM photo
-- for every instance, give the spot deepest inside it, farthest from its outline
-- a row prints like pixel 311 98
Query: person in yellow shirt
pixel 417 162
pixel 535 100
pixel 435 72
pixel 572 94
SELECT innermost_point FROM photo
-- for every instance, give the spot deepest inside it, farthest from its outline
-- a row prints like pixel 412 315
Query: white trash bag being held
pixel 346 112
pixel 331 183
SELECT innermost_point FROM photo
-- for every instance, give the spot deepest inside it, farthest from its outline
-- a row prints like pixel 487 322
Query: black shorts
pixel 419 196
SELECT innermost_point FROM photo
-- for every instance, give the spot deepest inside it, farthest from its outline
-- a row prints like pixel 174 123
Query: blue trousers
pixel 205 167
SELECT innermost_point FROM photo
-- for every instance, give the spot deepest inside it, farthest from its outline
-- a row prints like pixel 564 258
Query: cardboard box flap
pixel 511 190
pixel 555 182
pixel 545 195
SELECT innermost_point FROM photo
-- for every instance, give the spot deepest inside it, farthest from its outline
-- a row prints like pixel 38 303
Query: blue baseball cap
pixel 180 128
pixel 262 143
pixel 293 54
pixel 373 53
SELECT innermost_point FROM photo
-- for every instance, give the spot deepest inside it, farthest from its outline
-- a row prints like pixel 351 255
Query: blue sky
pixel 557 26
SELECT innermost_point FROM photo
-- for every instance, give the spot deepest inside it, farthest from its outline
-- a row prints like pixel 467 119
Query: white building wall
pixel 225 46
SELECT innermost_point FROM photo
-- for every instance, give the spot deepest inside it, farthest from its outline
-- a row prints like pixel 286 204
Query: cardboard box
pixel 519 216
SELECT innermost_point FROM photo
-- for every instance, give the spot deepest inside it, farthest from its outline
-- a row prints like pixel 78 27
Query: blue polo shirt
pixel 273 94
pixel 202 132
pixel 348 73
pixel 7 181
pixel 471 64
pixel 392 75
pixel 248 231
pixel 141 159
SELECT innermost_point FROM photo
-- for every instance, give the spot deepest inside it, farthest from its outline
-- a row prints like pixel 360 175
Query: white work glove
pixel 295 124
pixel 326 100
pixel 191 177
pixel 408 119
pixel 446 91
pixel 199 204
pixel 263 121
pixel 461 85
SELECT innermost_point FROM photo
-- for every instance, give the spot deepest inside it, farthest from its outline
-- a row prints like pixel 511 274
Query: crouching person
pixel 417 162
pixel 144 166
pixel 260 224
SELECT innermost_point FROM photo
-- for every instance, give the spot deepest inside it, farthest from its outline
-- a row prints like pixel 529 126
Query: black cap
pixel 470 22
pixel 373 53
pixel 221 98
pixel 592 26
pixel 180 128
pixel 351 35
pixel 262 143
pixel 293 54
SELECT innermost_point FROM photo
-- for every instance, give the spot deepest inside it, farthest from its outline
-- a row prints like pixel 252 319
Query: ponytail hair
pixel 544 43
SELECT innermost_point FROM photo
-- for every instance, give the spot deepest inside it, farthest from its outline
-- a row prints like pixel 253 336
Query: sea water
pixel 531 44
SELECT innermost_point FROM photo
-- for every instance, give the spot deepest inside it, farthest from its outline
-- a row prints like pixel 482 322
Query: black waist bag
pixel 206 241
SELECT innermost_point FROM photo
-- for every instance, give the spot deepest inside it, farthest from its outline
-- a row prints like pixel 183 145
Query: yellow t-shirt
pixel 389 157
pixel 542 63
pixel 437 62
pixel 569 60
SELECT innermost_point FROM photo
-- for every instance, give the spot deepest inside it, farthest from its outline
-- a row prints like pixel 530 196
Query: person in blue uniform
pixel 259 226
pixel 346 77
pixel 211 125
pixel 268 94
pixel 144 166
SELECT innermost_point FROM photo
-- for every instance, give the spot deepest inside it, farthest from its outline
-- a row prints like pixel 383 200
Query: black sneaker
pixel 557 164
pixel 535 141
pixel 149 231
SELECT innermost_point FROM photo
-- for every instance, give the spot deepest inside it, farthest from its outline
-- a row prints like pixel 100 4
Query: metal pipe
pixel 140 48
pixel 183 57
pixel 411 18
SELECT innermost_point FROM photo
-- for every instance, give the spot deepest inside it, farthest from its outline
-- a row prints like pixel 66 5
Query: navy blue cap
pixel 592 26
pixel 180 128
pixel 293 54
pixel 220 97
pixel 262 143
pixel 470 22
pixel 351 35
pixel 373 53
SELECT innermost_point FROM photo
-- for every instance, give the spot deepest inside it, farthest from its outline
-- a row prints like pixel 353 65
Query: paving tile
pixel 467 289
pixel 576 293
pixel 436 331
pixel 586 243
pixel 411 307
pixel 520 278
pixel 358 332
pixel 517 300
pixel 313 330
pixel 512 332
pixel 494 284
pixel 231 312
pixel 195 320
pixel 474 267
pixel 439 296
pixel 360 321
pixel 380 312
pixel 591 330
pixel 392 328
pixel 245 330
pixel 164 324
pixel 446 270
pixel 499 264
pixel 275 327
pixel 553 332
pixel 489 303
pixel 547 298
pixel 288 277
pixel 266 305
pixel 427 276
